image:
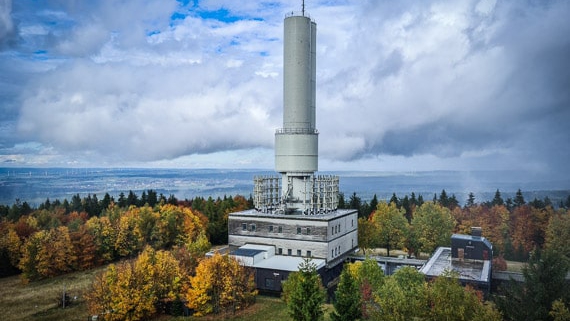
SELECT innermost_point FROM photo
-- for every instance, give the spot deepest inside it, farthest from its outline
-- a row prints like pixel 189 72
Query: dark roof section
pixel 246 252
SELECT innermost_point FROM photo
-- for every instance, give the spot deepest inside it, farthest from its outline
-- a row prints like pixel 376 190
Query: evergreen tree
pixel 106 201
pixel 395 200
pixel 420 200
pixel 373 205
pixel 519 199
pixel 341 201
pixel 406 204
pixel 132 199
pixel 413 200
pixel 443 199
pixel 347 302
pixel 497 200
pixel 304 294
pixel 122 201
pixel 544 283
pixel 453 202
pixel 355 203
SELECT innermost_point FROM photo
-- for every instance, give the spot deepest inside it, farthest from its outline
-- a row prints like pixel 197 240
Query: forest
pixel 154 245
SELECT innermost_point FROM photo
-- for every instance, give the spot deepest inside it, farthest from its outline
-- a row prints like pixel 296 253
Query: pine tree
pixel 544 283
pixel 347 303
pixel 497 200
pixel 519 199
pixel 304 294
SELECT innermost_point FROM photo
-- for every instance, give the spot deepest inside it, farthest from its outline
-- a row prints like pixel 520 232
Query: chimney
pixel 476 231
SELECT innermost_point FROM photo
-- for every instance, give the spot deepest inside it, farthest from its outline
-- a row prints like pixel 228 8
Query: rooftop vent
pixel 476 231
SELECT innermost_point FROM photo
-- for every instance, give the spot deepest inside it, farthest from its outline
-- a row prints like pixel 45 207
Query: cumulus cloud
pixel 461 83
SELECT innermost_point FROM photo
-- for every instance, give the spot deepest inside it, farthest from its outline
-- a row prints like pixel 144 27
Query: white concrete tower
pixel 296 144
pixel 296 213
pixel 298 190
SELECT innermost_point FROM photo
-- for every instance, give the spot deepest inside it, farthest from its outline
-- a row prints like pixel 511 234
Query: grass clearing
pixel 39 300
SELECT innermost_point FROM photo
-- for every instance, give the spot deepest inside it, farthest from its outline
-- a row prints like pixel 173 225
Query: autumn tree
pixel 190 254
pixel 391 226
pixel 369 278
pixel 558 233
pixel 304 294
pixel 221 284
pixel 449 300
pixel 559 311
pixel 10 245
pixel 128 241
pixel 56 255
pixel 104 237
pixel 402 296
pixel 178 225
pixel 47 253
pixel 366 234
pixel 407 296
pixel 135 289
pixel 433 224
pixel 84 248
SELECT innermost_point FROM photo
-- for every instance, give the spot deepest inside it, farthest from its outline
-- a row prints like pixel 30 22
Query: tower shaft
pixel 296 144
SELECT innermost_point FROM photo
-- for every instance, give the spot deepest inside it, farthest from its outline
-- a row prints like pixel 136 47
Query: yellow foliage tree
pixel 10 242
pixel 221 284
pixel 104 238
pixel 128 237
pixel 133 290
pixel 56 255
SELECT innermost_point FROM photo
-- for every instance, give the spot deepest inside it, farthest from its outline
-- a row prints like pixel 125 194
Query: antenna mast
pixel 303 8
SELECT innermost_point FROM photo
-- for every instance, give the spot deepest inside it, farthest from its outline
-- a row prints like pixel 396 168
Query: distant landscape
pixel 35 185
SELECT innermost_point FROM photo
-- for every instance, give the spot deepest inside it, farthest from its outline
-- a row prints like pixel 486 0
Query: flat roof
pixel 470 270
pixel 274 262
pixel 286 263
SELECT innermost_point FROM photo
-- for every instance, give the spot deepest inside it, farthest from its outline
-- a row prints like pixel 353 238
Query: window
pixel 298 230
pixel 270 228
pixel 280 229
pixel 298 252
pixel 308 230
pixel 352 222
pixel 309 254
pixel 332 253
pixel 269 283
pixel 332 229
pixel 280 251
pixel 253 227
pixel 243 227
pixel 289 252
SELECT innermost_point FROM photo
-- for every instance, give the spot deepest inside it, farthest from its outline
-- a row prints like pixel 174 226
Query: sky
pixel 401 85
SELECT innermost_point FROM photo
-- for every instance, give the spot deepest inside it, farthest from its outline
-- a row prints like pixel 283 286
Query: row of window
pixel 252 228
pixel 336 251
pixel 290 252
pixel 335 229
